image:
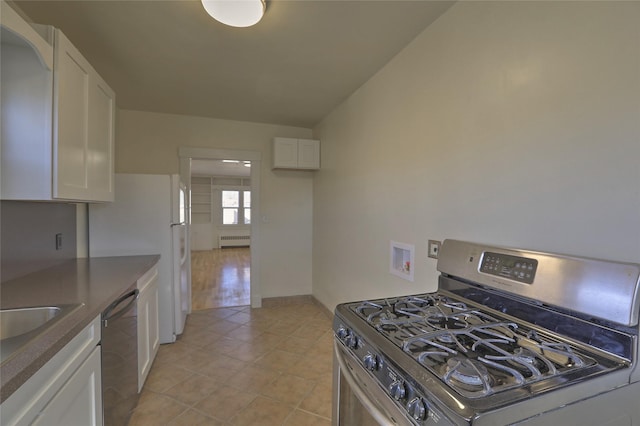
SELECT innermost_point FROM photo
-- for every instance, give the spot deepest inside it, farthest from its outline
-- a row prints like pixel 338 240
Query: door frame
pixel 186 154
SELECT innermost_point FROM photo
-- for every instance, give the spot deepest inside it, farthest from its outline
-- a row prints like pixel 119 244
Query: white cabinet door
pixel 144 349
pixel 79 401
pixel 67 390
pixel 100 144
pixel 148 324
pixel 154 324
pixel 71 121
pixel 308 154
pixel 285 153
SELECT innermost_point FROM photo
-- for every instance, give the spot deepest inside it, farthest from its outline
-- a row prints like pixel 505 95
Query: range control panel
pixel 515 268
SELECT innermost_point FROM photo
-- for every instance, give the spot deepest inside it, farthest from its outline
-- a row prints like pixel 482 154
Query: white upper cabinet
pixel 100 148
pixel 290 153
pixel 83 131
pixel 58 122
pixel 308 154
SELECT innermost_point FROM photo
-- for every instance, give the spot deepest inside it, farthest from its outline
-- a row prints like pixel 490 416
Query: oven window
pixel 352 412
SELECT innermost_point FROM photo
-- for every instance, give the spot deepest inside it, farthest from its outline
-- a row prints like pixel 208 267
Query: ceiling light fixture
pixel 236 13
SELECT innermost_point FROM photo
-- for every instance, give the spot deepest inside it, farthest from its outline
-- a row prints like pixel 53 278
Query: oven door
pixel 359 400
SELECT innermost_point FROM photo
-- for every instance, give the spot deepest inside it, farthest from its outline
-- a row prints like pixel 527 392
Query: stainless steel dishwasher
pixel 120 358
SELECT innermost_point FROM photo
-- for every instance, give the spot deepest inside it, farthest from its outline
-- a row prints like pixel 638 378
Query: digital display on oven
pixel 516 268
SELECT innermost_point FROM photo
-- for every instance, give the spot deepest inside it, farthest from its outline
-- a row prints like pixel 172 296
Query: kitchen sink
pixel 14 322
pixel 20 326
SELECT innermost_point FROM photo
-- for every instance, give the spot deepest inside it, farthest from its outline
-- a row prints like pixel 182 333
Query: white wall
pixel 512 123
pixel 148 143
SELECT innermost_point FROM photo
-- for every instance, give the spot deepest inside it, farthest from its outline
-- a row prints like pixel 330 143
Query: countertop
pixel 95 282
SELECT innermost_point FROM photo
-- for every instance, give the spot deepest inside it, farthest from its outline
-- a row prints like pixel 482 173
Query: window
pixel 236 207
pixel 247 206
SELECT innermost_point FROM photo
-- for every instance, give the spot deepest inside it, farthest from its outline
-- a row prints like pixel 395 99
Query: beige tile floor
pixel 243 366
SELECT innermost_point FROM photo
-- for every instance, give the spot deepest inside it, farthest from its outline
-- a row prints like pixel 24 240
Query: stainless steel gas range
pixel 510 337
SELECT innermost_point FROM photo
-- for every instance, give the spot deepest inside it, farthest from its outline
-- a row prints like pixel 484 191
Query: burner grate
pixel 475 353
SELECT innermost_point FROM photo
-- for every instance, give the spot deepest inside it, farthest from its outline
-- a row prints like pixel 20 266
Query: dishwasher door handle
pixel 108 314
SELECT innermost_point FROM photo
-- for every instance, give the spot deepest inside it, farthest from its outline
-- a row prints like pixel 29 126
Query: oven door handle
pixel 375 412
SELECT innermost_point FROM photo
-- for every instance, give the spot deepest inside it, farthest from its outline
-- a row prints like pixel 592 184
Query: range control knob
pixel 351 341
pixel 417 409
pixel 342 332
pixel 397 390
pixel 370 362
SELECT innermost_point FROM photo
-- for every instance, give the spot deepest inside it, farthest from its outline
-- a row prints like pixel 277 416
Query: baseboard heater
pixel 234 240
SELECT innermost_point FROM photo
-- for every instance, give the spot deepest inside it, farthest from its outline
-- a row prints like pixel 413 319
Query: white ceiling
pixel 301 61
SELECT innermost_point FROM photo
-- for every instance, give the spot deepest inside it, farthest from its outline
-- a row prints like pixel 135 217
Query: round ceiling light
pixel 235 13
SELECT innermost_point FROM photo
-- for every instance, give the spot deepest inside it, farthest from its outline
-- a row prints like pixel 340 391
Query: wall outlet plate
pixel 433 248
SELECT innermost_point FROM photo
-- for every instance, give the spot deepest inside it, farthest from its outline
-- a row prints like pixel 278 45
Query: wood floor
pixel 220 278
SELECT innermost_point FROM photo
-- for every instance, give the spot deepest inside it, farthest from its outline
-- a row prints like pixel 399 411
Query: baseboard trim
pixel 324 309
pixel 272 302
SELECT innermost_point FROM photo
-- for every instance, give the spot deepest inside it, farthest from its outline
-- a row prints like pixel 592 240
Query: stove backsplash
pixel 28 236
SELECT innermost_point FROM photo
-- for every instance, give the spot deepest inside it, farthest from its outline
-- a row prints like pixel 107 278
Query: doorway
pixel 224 230
pixel 221 234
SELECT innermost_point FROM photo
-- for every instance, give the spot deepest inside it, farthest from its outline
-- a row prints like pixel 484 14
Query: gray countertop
pixel 95 282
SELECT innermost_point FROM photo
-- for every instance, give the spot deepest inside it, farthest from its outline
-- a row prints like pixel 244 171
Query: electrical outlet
pixel 433 248
pixel 58 241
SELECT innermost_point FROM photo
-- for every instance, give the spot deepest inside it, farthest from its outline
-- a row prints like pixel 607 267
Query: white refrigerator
pixel 149 216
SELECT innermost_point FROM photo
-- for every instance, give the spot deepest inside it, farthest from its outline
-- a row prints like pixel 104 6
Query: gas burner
pixel 446 338
pixel 441 321
pixel 524 364
pixel 467 374
pixel 416 304
pixel 524 356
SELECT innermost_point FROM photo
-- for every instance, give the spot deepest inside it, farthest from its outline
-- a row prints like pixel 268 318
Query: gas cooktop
pixel 473 351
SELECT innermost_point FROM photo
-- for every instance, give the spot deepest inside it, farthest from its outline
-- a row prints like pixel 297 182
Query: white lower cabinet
pixel 148 324
pixel 66 391
pixel 79 402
